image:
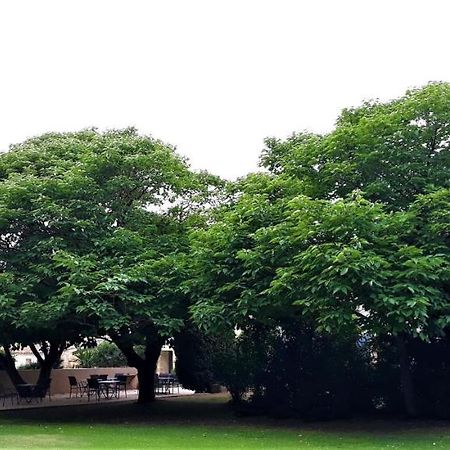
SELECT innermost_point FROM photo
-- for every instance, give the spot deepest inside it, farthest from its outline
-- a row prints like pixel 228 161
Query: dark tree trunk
pixel 52 352
pixel 45 372
pixel 146 366
pixel 146 373
pixel 406 381
pixel 146 379
pixel 10 367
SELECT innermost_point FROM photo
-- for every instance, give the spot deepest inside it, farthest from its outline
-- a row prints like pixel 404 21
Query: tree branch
pixel 36 353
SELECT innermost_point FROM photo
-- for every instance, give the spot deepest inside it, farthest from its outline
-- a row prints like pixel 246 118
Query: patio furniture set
pixel 26 392
pixel 99 386
pixel 96 386
pixel 166 383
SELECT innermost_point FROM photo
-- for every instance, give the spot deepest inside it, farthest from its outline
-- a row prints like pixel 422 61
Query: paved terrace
pixel 64 400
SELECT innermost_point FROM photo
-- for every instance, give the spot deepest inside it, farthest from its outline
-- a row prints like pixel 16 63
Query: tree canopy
pixel 349 230
pixel 334 258
pixel 93 227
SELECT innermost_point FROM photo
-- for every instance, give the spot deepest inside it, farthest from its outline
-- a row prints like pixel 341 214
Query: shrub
pixel 105 354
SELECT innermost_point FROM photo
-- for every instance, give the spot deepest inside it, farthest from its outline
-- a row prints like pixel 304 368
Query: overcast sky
pixel 211 77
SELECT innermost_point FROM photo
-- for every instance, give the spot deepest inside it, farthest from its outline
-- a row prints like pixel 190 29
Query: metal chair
pixel 41 390
pixel 8 394
pixel 30 392
pixel 75 386
pixel 24 392
pixel 93 388
pixel 122 385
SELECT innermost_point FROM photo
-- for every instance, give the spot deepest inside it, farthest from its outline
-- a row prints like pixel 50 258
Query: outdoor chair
pixel 102 377
pixel 30 392
pixel 164 383
pixel 123 381
pixel 42 390
pixel 24 392
pixel 175 383
pixel 77 387
pixel 156 383
pixel 8 394
pixel 93 388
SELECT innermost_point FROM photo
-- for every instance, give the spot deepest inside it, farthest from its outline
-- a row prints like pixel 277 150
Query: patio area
pixel 58 400
pixel 82 386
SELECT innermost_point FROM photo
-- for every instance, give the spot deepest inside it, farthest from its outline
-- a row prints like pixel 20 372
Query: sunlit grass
pixel 202 422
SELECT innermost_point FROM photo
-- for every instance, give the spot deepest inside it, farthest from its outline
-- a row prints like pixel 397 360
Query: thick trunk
pixel 45 372
pixel 146 379
pixel 52 355
pixel 146 366
pixel 148 369
pixel 10 367
pixel 406 381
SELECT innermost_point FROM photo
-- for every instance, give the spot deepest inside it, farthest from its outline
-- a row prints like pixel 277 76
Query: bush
pixel 193 365
pixel 289 369
pixel 105 354
pixel 30 365
pixel 237 362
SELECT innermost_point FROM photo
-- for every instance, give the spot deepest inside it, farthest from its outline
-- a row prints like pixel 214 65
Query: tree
pixel 89 238
pixel 349 230
pixel 195 353
pixel 350 261
pixel 132 287
pixel 38 218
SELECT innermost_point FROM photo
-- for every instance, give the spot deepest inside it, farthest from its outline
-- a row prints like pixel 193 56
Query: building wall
pixel 165 362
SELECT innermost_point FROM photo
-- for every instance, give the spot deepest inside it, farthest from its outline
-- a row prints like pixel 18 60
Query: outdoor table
pixel 165 383
pixel 26 391
pixel 110 388
pixel 27 386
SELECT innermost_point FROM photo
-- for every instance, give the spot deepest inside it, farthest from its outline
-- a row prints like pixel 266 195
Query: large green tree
pixel 348 229
pixel 45 207
pixel 89 238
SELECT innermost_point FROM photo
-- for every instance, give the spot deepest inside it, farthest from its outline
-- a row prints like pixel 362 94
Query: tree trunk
pixel 10 367
pixel 52 355
pixel 146 366
pixel 406 381
pixel 45 372
pixel 146 379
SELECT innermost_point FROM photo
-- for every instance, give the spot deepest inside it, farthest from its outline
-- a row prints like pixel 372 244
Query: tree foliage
pixel 348 231
pixel 105 354
pixel 93 227
pixel 333 259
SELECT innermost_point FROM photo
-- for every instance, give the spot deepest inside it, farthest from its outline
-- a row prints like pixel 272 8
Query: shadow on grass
pixel 207 410
pixel 198 409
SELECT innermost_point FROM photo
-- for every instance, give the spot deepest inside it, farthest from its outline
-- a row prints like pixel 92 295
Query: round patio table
pixel 109 388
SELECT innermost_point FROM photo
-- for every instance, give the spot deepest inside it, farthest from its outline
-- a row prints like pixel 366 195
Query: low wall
pixel 60 381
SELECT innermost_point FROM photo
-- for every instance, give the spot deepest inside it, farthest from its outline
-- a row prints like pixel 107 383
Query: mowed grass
pixel 202 421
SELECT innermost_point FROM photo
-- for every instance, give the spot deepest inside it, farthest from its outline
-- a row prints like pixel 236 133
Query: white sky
pixel 211 77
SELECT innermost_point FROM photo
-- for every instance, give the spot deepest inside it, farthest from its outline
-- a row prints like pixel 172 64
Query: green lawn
pixel 202 422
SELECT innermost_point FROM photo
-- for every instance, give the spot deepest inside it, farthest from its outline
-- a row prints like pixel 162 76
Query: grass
pixel 202 421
